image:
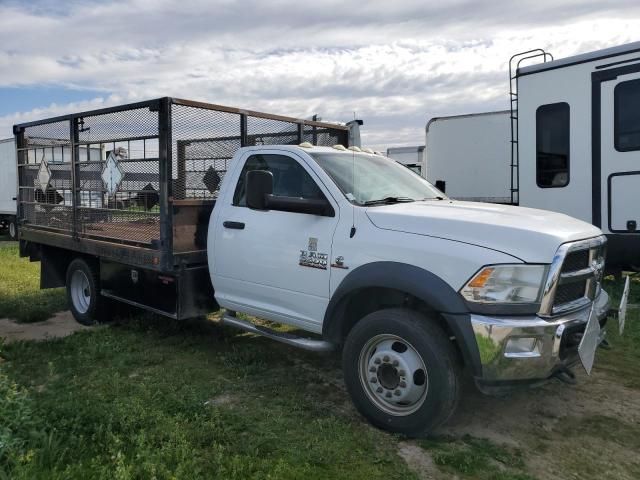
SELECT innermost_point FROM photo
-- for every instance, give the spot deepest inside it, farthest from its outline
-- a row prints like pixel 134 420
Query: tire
pixel 13 229
pixel 418 401
pixel 83 293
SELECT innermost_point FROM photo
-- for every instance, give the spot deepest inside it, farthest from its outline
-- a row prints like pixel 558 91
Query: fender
pixel 415 281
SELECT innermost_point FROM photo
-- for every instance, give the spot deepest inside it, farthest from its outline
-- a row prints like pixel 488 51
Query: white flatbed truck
pixel 203 207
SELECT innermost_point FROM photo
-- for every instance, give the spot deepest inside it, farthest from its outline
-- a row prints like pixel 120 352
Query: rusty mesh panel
pixel 119 176
pixel 120 125
pixel 266 131
pixel 47 134
pixel 45 176
pixel 203 142
pixel 325 137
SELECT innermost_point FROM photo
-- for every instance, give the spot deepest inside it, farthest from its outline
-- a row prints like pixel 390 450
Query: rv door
pixel 619 148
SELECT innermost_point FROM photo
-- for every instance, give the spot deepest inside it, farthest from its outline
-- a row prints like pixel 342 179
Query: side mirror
pixel 312 206
pixel 259 184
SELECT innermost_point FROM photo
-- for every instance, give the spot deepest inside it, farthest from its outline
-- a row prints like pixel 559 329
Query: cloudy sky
pixel 396 63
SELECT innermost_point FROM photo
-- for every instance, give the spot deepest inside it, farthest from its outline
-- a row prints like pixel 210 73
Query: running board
pixel 300 342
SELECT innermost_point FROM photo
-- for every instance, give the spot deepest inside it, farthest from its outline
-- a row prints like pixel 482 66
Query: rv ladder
pixel 514 64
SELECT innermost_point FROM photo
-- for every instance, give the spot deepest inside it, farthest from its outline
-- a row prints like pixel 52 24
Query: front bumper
pixel 553 344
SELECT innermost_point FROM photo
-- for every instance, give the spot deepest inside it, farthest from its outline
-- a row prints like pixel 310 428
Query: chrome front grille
pixel 574 276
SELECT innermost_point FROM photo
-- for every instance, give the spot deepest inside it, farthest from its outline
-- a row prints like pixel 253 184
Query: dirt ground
pixel 60 325
pixel 550 424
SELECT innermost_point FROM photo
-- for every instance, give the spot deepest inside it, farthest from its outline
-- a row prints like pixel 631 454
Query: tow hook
pixel 605 345
pixel 564 374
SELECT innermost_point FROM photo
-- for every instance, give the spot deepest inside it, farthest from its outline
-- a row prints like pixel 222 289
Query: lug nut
pixel 388 394
pixel 373 369
pixel 377 361
pixel 379 390
pixel 397 393
pixel 373 380
pixel 395 363
pixel 403 384
pixel 385 358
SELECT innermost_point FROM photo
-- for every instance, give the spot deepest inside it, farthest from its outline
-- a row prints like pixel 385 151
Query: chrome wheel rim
pixel 80 291
pixel 393 374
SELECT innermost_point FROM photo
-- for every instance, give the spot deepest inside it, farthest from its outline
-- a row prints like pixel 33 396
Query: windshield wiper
pixel 433 198
pixel 388 201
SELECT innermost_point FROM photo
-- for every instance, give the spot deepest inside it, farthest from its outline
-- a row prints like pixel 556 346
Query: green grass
pixel 142 400
pixel 20 295
pixel 623 361
pixel 475 458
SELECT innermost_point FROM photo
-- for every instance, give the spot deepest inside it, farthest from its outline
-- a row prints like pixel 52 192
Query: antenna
pixel 353 182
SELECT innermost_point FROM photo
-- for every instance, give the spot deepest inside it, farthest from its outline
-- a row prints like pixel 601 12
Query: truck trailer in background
pixel 8 187
pixel 573 132
pixel 469 156
pixel 410 157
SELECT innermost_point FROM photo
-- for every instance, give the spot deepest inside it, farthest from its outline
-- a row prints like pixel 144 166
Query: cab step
pixel 305 343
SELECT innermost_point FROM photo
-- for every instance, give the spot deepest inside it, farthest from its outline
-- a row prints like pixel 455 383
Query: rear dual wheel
pixel 83 294
pixel 13 229
pixel 401 371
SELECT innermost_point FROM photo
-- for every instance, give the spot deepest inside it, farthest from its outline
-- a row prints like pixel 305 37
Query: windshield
pixel 373 179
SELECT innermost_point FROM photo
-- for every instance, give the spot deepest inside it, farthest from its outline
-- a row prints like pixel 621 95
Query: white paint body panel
pixel 8 177
pixel 572 84
pixel 257 271
pixel 471 154
pixel 623 191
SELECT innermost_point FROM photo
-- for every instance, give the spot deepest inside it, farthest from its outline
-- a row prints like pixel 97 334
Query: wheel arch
pixel 390 284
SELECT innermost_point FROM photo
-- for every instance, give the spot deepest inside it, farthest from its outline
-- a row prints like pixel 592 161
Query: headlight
pixel 506 284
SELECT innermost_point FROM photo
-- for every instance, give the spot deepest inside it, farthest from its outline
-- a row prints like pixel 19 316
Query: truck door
pixel 620 150
pixel 275 264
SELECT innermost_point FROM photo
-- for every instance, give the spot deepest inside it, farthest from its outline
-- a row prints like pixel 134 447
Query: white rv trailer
pixel 575 136
pixel 469 156
pixel 410 157
pixel 8 187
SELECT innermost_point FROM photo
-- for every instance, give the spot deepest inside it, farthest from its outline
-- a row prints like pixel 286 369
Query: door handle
pixel 234 225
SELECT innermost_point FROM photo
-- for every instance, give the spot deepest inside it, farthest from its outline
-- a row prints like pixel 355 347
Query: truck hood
pixel 529 234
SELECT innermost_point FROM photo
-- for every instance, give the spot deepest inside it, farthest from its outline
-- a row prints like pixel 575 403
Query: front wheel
pixel 401 371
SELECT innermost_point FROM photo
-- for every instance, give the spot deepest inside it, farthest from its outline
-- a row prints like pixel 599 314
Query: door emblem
pixel 339 263
pixel 311 257
pixel 313 244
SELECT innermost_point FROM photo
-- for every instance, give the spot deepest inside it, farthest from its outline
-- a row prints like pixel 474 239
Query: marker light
pixel 368 150
pixel 354 148
pixel 306 145
pixel 340 147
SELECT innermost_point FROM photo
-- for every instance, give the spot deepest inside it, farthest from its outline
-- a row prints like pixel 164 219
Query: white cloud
pixel 396 64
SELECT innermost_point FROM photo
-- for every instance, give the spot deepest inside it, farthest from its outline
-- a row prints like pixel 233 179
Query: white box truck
pixel 468 156
pixel 286 220
pixel 8 187
pixel 410 157
pixel 574 144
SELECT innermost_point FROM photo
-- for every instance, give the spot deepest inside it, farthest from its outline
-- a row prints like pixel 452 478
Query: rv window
pixel 552 145
pixel 627 116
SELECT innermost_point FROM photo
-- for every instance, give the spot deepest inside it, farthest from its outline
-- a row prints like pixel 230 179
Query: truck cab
pixel 412 285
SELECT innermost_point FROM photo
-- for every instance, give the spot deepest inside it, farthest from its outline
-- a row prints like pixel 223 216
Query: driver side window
pixel 290 179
